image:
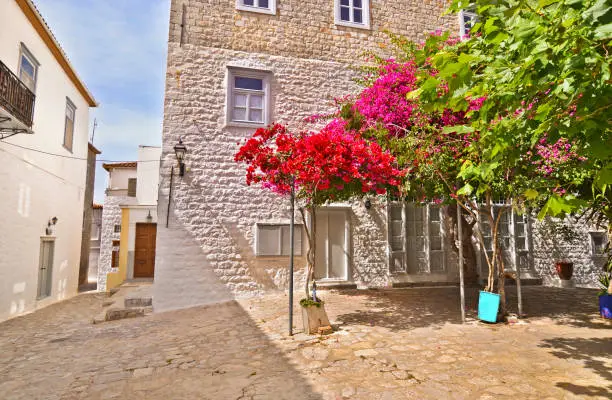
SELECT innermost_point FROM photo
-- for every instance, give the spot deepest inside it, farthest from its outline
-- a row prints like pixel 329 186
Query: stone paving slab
pixel 389 344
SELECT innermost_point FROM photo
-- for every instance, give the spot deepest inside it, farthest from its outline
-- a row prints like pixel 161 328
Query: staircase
pixel 130 300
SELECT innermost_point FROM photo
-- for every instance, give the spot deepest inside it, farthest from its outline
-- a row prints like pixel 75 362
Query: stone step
pixel 336 285
pixel 130 302
pixel 114 314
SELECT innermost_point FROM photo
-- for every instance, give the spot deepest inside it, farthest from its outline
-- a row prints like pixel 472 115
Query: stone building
pixel 238 65
pixel 129 220
pixel 94 243
pixel 121 178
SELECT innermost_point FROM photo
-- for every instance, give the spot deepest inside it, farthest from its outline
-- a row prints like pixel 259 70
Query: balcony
pixel 16 104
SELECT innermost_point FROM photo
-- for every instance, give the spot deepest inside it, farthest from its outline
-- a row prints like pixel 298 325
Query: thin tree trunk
pixel 469 254
pixel 310 254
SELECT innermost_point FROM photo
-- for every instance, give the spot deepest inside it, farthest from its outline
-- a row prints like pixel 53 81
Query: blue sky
pixel 118 48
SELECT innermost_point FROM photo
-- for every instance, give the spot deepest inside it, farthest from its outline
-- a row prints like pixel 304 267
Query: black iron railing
pixel 15 97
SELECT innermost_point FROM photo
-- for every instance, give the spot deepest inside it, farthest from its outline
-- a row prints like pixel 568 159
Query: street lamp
pixel 180 149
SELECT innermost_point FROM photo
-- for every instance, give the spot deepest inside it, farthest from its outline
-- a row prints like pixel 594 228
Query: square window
pixel 599 242
pixel 248 97
pixel 69 125
pixel 274 240
pixel 260 6
pixel 117 228
pixel 467 19
pixel 355 13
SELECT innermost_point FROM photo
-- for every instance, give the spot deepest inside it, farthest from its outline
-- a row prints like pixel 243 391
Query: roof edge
pixel 121 164
pixel 33 15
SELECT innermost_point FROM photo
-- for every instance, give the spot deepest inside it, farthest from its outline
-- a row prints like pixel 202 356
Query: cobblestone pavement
pixel 389 344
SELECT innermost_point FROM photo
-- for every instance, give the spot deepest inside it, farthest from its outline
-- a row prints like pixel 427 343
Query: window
pixel 95 231
pixel 467 19
pixel 131 187
pixel 115 254
pixel 248 97
pixel 117 228
pixel 273 240
pixel 28 68
pixel 354 13
pixel 599 242
pixel 260 6
pixel 69 125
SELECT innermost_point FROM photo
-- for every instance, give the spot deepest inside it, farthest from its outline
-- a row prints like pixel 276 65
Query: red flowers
pixel 331 163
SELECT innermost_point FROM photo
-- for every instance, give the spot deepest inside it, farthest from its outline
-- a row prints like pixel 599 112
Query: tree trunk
pixel 310 254
pixel 469 253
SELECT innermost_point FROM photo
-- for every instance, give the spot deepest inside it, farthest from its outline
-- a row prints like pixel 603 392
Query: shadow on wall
pixel 268 273
pixel 183 275
pixel 407 309
pixel 594 353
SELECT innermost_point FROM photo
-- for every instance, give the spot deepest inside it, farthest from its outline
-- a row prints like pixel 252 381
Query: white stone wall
pixel 549 249
pixel 111 216
pixel 207 252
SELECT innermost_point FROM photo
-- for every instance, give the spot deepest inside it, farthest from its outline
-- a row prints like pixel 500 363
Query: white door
pixel 331 253
pixel 45 269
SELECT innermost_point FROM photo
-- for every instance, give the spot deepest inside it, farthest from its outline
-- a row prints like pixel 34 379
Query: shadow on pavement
pixel 209 352
pixel 594 353
pixel 406 309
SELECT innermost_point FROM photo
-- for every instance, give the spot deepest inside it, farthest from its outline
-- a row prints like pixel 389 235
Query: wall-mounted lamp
pixel 50 225
pixel 180 149
pixel 367 204
pixel 149 217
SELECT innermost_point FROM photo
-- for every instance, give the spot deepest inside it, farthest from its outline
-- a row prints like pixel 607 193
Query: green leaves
pixel 458 129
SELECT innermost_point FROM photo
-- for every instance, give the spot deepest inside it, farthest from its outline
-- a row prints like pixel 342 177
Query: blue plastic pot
pixel 605 306
pixel 488 305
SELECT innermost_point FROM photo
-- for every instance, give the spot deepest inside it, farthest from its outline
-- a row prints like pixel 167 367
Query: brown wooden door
pixel 144 250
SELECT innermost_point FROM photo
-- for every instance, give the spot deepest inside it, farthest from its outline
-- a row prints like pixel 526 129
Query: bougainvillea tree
pixel 335 163
pixel 544 67
pixel 446 158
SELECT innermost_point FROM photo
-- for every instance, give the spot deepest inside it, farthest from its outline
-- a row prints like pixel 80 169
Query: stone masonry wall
pixel 305 28
pixel 111 216
pixel 577 248
pixel 310 63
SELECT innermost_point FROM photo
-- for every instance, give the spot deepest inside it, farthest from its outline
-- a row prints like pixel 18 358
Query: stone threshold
pixel 337 285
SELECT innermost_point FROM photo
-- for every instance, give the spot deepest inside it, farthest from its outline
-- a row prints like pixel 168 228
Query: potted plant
pixel 605 294
pixel 314 317
pixel 565 269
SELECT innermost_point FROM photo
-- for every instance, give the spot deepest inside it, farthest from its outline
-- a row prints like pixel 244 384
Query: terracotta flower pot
pixel 565 270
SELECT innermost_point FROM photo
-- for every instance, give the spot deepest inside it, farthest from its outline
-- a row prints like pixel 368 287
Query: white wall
pixel 118 178
pixel 35 187
pixel 147 184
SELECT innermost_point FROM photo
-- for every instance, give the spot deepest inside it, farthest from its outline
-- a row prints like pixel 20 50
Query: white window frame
pixel 27 54
pixel 365 15
pixel 462 15
pixel 282 229
pixel 592 237
pixel 265 76
pixel 70 108
pixel 271 9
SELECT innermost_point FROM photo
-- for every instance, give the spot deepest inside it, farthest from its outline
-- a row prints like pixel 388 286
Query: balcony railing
pixel 15 97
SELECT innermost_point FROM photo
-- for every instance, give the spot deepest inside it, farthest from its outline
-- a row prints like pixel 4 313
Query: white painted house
pixel 129 220
pixel 44 120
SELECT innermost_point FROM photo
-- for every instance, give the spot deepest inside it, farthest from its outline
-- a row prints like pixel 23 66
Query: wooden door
pixel 144 250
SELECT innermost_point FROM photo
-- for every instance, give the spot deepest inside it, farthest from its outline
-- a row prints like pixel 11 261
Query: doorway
pixel 45 268
pixel 332 244
pixel 144 250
